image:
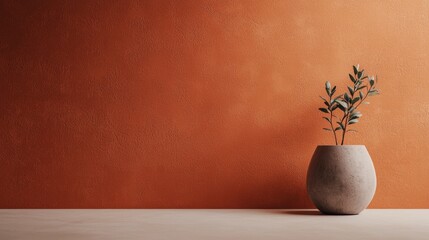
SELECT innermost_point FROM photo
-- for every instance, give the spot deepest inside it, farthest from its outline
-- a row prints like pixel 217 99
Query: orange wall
pixel 203 104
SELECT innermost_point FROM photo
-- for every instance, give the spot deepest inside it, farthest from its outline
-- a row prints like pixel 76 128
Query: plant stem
pixel 332 126
pixel 346 116
pixel 344 130
pixel 361 101
pixel 333 131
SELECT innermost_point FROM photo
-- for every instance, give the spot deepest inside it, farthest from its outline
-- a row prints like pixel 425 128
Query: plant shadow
pixel 305 212
pixel 300 212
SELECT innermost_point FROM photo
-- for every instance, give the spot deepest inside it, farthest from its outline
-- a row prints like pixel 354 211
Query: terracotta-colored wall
pixel 202 104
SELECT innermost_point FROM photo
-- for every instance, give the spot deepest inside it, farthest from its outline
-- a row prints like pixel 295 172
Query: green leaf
pixel 373 92
pixel 356 114
pixel 327 129
pixel 360 74
pixel 353 121
pixel 341 103
pixel 325 101
pixel 355 117
pixel 355 70
pixel 327 119
pixel 324 110
pixel 361 95
pixel 352 78
pixel 341 125
pixel 351 91
pixel 355 100
pixel 371 82
pixel 338 128
pixel 361 87
pixel 328 87
pixel 358 83
pixel 333 90
pixel 336 98
pixel 346 97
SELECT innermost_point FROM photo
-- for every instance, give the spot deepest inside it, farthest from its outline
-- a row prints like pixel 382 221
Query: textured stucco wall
pixel 200 104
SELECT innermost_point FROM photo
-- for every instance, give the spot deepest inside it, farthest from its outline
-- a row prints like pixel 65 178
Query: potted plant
pixel 341 178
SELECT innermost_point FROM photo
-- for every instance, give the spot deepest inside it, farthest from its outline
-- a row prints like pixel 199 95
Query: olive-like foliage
pixel 347 103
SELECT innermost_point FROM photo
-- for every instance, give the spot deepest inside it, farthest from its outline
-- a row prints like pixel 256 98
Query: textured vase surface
pixel 341 179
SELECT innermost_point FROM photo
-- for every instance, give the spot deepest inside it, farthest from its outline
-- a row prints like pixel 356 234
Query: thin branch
pixel 332 126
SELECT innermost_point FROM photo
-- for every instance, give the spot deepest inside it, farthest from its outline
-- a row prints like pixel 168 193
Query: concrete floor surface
pixel 211 224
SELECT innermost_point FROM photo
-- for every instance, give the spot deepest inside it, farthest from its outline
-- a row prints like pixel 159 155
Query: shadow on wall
pixel 245 165
pixel 301 212
pixel 279 158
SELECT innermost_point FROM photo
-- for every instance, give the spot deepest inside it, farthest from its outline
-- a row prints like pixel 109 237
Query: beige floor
pixel 211 224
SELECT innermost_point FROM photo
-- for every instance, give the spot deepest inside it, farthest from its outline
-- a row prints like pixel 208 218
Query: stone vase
pixel 341 179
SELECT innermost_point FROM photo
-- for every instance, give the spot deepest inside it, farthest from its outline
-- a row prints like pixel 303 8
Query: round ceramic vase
pixel 341 179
